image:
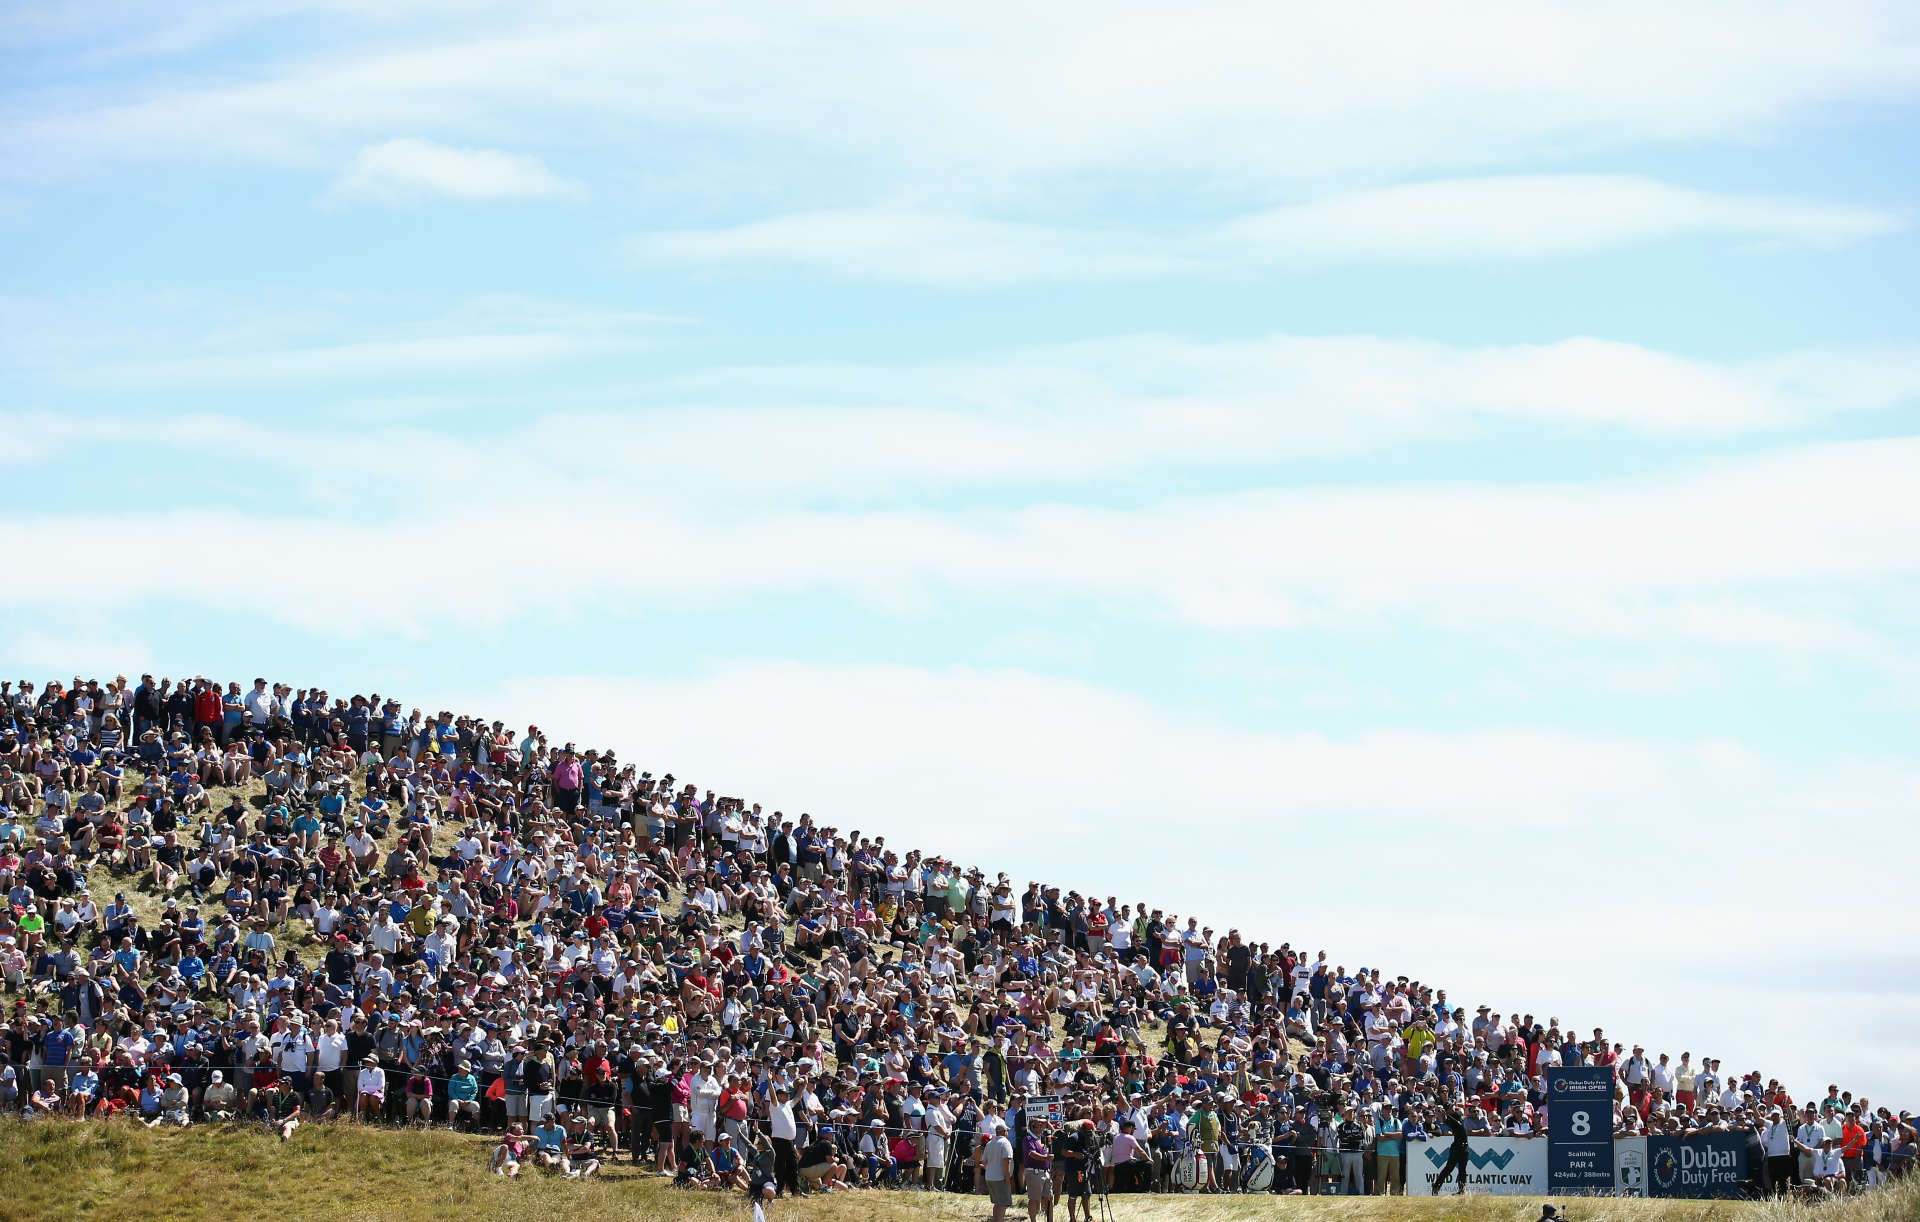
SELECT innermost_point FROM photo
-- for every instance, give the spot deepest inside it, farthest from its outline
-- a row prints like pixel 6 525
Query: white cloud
pixel 1769 551
pixel 976 98
pixel 1524 216
pixel 915 247
pixel 1541 870
pixel 1511 216
pixel 1048 416
pixel 174 342
pixel 445 355
pixel 1135 402
pixel 407 169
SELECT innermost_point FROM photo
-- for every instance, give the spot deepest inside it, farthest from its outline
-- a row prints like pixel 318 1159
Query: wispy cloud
pixel 945 98
pixel 443 355
pixel 1779 551
pixel 1046 415
pixel 407 169
pixel 180 341
pixel 1497 217
pixel 1531 216
pixel 918 247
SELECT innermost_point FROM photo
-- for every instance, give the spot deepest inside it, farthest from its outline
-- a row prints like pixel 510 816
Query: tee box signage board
pixel 1580 1129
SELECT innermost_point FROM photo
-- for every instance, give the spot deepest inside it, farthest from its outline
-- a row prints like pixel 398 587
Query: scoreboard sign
pixel 1580 1129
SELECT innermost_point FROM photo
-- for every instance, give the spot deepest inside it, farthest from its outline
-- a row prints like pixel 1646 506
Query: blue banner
pixel 1706 1165
pixel 1580 1129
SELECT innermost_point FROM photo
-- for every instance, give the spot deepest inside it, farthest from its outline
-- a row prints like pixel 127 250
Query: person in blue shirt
pixel 118 913
pixel 463 1096
pixel 550 1141
pixel 333 808
pixel 306 826
pixel 82 1089
pixel 374 813
pixel 110 775
pixel 358 718
pixel 193 970
pixel 56 1049
pixel 225 968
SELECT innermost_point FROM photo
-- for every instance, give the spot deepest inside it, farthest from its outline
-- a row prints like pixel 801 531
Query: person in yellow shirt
pixel 1418 1037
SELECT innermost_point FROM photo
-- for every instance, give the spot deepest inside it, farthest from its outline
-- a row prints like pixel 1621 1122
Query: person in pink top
pixel 566 780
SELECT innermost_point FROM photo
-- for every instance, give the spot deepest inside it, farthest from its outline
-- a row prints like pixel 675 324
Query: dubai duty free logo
pixel 1498 1158
pixel 1666 1168
pixel 1565 1086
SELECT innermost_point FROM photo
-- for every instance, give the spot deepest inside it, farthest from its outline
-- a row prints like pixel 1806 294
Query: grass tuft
pixel 60 1170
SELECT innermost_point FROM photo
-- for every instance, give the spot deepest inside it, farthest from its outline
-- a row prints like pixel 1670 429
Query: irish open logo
pixel 1633 1174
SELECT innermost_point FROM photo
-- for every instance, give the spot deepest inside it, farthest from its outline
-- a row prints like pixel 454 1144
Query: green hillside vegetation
pixel 60 1170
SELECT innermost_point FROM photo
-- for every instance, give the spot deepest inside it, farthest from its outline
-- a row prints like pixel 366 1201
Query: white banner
pixel 1050 1108
pixel 1498 1166
pixel 1630 1166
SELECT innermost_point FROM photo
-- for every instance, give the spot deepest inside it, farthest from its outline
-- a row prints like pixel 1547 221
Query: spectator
pixel 519 929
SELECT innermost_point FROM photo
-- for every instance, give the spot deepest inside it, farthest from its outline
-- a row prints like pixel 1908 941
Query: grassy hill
pixel 59 1170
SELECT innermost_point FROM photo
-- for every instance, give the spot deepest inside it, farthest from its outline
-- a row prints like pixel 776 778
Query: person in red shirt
pixel 734 1098
pixel 1097 929
pixel 208 713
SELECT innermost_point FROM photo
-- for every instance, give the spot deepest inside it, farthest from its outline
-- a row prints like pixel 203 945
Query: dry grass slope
pixel 62 1171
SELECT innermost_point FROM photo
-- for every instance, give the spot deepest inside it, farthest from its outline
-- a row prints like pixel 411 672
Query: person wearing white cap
pixel 997 1165
pixel 371 1101
pixel 220 1097
pixel 703 1099
pixel 784 1129
pixel 939 1129
pixel 174 1102
pixel 1806 1143
pixel 875 1155
pixel 1776 1138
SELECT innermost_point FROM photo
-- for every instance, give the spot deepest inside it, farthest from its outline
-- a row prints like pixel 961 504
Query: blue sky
pixel 1462 462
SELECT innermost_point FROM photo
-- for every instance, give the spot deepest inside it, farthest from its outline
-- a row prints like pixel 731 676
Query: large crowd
pixel 350 911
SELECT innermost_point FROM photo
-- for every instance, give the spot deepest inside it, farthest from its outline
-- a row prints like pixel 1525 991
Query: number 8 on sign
pixel 1580 1124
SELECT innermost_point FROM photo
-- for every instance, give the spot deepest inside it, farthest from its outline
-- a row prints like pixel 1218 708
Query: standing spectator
pixel 1387 1151
pixel 997 1162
